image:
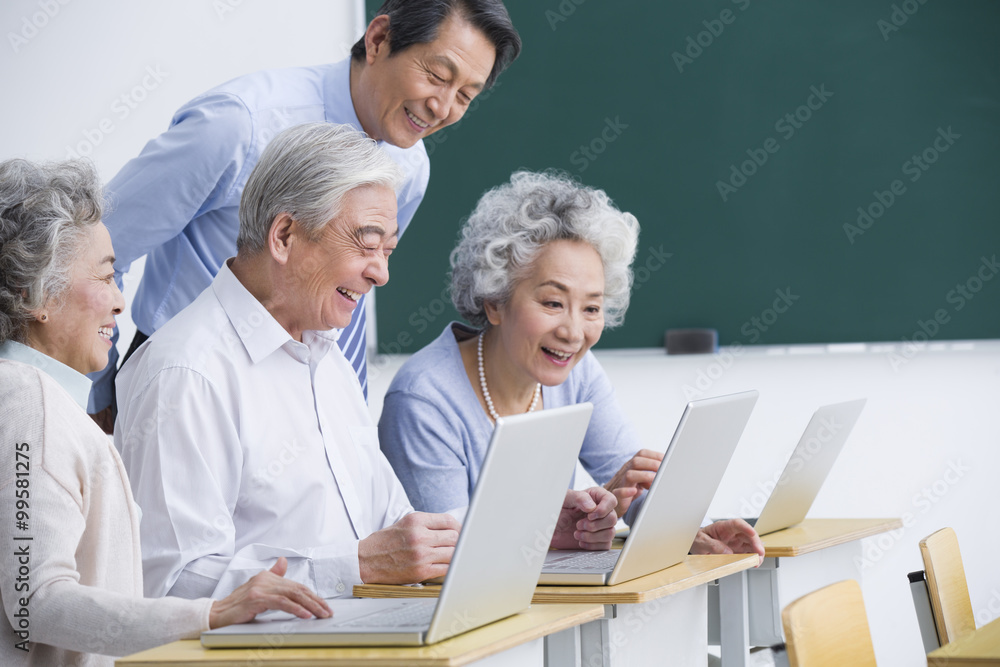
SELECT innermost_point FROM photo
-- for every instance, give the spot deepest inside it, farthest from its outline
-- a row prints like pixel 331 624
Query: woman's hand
pixel 637 473
pixel 268 590
pixel 587 520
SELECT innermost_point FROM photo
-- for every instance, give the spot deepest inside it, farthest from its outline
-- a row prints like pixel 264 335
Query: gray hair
pixel 306 171
pixel 513 222
pixel 45 213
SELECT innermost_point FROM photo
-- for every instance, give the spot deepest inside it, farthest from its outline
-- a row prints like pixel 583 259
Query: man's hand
pixel 637 473
pixel 268 589
pixel 729 536
pixel 416 548
pixel 587 520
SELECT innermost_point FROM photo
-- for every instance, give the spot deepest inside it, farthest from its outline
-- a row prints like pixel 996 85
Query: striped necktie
pixel 352 342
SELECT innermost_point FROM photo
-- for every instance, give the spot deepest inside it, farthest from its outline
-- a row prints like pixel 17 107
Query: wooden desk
pixel 746 608
pixel 815 534
pixel 511 641
pixel 666 610
pixel 979 648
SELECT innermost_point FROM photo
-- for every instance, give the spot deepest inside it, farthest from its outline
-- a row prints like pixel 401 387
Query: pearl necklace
pixel 486 392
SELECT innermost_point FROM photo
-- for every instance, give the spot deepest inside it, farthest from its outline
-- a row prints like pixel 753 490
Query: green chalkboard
pixel 816 171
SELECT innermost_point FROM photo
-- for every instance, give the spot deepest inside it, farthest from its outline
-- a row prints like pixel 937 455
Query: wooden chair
pixel 829 628
pixel 946 585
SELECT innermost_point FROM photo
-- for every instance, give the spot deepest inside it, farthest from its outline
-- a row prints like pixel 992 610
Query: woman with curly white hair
pixel 542 267
pixel 71 570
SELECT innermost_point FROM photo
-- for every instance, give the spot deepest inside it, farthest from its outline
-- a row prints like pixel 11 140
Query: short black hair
pixel 417 22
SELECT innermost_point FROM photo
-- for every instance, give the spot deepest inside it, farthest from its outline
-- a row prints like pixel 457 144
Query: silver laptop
pixel 808 466
pixel 493 572
pixel 677 501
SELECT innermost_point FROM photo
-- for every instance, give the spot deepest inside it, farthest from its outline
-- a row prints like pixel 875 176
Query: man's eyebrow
pixel 449 65
pixel 106 260
pixel 374 229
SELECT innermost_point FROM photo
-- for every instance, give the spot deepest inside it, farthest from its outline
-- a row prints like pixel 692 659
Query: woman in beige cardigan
pixel 70 564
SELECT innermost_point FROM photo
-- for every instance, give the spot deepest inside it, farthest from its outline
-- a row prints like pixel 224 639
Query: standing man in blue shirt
pixel 415 71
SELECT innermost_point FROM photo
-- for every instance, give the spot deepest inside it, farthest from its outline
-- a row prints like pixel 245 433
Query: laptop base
pixel 557 572
pixel 293 632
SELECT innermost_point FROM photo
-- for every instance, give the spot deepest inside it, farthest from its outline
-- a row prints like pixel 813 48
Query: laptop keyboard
pixel 402 616
pixel 594 560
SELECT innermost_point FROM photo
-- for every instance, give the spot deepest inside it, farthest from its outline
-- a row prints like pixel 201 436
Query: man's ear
pixel 377 38
pixel 284 231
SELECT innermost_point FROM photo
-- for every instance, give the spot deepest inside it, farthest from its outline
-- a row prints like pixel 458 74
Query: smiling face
pixel 426 87
pixel 77 330
pixel 555 314
pixel 327 276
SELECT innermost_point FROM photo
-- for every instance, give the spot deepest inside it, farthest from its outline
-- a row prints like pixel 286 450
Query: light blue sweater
pixel 435 434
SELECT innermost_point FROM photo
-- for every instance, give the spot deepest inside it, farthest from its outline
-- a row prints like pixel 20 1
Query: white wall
pixel 99 79
pixel 926 448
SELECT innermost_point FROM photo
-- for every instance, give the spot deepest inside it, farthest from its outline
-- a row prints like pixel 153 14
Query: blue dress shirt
pixel 179 199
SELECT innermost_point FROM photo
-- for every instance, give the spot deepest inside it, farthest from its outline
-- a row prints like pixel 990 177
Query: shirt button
pixel 341 588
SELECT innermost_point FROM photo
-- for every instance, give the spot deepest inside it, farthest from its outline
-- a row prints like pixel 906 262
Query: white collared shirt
pixel 243 445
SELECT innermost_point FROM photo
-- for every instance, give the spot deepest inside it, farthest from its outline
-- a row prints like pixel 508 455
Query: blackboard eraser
pixel 691 341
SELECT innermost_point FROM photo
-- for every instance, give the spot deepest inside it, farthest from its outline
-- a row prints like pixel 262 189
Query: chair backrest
pixel 829 628
pixel 946 584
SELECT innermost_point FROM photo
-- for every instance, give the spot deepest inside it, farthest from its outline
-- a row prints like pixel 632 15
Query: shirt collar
pixel 76 384
pixel 257 329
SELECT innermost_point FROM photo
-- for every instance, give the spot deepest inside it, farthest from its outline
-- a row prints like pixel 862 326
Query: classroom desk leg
pixel 563 648
pixel 671 630
pixel 595 640
pixel 734 627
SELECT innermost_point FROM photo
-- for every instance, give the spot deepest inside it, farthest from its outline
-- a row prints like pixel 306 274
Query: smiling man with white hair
pixel 243 426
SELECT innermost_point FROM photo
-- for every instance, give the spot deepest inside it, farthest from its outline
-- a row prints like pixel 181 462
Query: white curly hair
pixel 514 221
